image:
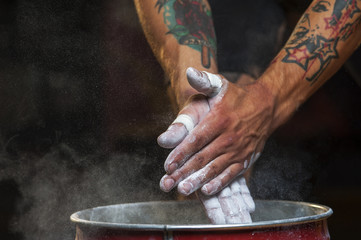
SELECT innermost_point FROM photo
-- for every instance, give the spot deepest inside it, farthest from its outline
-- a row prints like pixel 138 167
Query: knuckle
pixel 229 140
pixel 200 161
pixel 212 170
pixel 224 121
pixel 237 167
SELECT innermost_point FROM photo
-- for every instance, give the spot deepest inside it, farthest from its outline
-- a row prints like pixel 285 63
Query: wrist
pixel 180 87
pixel 288 89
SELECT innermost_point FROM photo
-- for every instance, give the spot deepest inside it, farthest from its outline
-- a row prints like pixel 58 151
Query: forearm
pixel 181 35
pixel 326 35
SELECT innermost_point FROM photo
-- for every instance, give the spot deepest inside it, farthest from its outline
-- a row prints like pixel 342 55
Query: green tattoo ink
pixel 190 22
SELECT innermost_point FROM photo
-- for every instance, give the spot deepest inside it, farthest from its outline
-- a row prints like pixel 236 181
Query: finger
pixel 166 183
pixel 213 208
pixel 227 176
pixel 176 132
pixel 244 191
pixel 201 135
pixel 192 172
pixel 229 208
pixel 204 82
pixel 244 215
pixel 173 136
pixel 197 179
pixel 188 117
pixel 197 171
pixel 223 179
pixel 207 83
pixel 247 164
pixel 243 209
pixel 194 181
pixel 254 158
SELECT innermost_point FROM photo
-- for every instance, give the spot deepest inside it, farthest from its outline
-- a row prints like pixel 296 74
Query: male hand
pixel 217 135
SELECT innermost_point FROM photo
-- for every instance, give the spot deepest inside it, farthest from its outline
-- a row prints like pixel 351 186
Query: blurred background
pixel 82 100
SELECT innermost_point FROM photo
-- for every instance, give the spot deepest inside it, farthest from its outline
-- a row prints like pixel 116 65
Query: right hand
pixel 232 204
pixel 231 124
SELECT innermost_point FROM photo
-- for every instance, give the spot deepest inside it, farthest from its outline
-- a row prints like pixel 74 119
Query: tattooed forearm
pixel 315 44
pixel 321 6
pixel 190 22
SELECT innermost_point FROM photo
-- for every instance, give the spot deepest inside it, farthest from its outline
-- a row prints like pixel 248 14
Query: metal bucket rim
pixel 210 227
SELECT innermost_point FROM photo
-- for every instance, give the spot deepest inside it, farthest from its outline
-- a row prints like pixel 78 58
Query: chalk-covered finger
pixel 213 208
pixel 194 111
pixel 228 206
pixel 243 209
pixel 223 179
pixel 246 194
pixel 196 180
pixel 227 176
pixel 174 135
pixel 202 167
pixel 197 170
pixel 208 83
pixel 186 120
pixel 177 131
pixel 203 134
pixel 230 209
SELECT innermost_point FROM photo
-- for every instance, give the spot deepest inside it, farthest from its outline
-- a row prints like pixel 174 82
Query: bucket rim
pixel 326 212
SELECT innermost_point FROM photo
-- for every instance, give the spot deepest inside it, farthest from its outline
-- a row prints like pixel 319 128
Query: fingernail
pixel 194 71
pixel 169 139
pixel 169 183
pixel 166 183
pixel 207 189
pixel 162 138
pixel 185 188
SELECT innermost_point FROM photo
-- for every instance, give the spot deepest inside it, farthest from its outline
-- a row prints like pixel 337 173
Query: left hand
pixel 230 130
pixel 233 204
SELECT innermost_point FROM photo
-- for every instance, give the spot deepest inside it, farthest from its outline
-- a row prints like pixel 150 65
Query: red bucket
pixel 186 220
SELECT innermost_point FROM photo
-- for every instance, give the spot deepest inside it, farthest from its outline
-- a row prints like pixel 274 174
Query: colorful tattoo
pixel 321 6
pixel 190 22
pixel 308 47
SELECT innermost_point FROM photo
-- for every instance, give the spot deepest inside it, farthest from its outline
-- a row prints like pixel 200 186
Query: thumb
pixel 208 83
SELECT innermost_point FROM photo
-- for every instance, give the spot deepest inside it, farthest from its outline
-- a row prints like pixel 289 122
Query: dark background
pixel 82 100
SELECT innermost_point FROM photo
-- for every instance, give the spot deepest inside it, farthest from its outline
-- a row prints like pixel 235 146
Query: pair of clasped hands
pixel 216 137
